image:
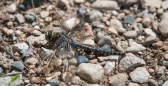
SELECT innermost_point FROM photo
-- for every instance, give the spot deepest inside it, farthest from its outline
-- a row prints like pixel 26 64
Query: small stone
pixel 73 61
pixel 146 22
pixel 133 84
pixel 165 4
pixel 158 44
pixel 76 80
pixel 159 11
pixel 139 75
pixel 114 12
pixel 18 32
pixel 152 9
pixel 20 18
pixel 160 70
pixel 130 34
pixel 109 67
pixel 135 47
pixel 94 14
pixel 82 59
pixel 10 32
pixel 21 7
pixel 165 83
pixel 112 31
pixel 89 42
pixel 48 19
pixel 45 52
pixel 90 72
pixel 93 61
pixel 1 70
pixel 37 27
pixel 44 14
pixel 130 60
pixel 118 80
pixel 105 40
pixel 30 17
pixel 12 8
pixel 128 2
pixel 53 82
pixel 129 20
pixel 150 32
pixel 100 35
pixel 101 59
pixel 163 27
pixel 116 24
pixel 62 84
pixel 70 23
pixel 20 46
pixel 149 40
pixel 79 1
pixel 17 65
pixel 151 70
pixel 36 33
pixel 106 48
pixel 155 3
pixel 31 61
pixel 138 20
pixel 108 5
pixel 10 24
pixel 152 82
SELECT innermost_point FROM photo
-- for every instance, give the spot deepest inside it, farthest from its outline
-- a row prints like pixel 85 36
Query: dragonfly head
pixel 49 35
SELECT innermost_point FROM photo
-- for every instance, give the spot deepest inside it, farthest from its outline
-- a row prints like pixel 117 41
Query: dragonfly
pixel 66 47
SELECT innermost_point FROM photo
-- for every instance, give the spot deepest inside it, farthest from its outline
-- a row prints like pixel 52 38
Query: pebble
pixel 128 2
pixel 38 40
pixel 116 24
pixel 48 19
pixel 73 61
pixel 107 5
pixel 12 8
pixel 79 1
pixel 159 11
pixel 31 61
pixel 149 40
pixel 101 59
pixel 114 12
pixel 44 52
pixel 76 80
pixel 18 32
pixel 150 32
pixel 93 61
pixel 152 9
pixel 90 73
pixel 1 70
pixel 139 75
pixel 165 83
pixel 155 3
pixel 133 84
pixel 30 17
pixel 160 71
pixel 152 82
pixel 62 84
pixel 44 14
pixel 100 35
pixel 20 46
pixel 53 82
pixel 109 66
pixel 20 18
pixel 130 60
pixel 106 47
pixel 130 34
pixel 70 23
pixel 118 79
pixel 112 31
pixel 82 59
pixel 10 24
pixel 165 4
pixel 135 47
pixel 17 65
pixel 89 42
pixel 163 27
pixel 105 40
pixel 129 20
pixel 146 22
pixel 94 13
pixel 36 33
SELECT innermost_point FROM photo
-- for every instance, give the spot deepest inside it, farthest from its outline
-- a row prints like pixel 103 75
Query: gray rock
pixel 17 65
pixel 94 14
pixel 79 1
pixel 90 72
pixel 20 18
pixel 135 47
pixel 127 2
pixel 163 27
pixel 63 3
pixel 12 8
pixel 105 40
pixel 38 40
pixel 105 4
pixel 130 60
pixel 30 17
pixel 53 82
pixel 149 40
pixel 130 34
pixel 139 75
pixel 129 20
pixel 7 79
pixel 133 84
pixel 152 9
pixel 150 32
pixel 165 63
pixel 118 80
pixel 165 83
pixel 153 82
pixel 100 35
pixel 82 59
pixel 109 66
pixel 73 61
pixel 36 33
pixel 44 14
pixel 155 3
pixel 1 70
pixel 116 24
pixel 31 61
pixel 160 70
pixel 76 80
pixel 89 42
pixel 165 4
pixel 112 31
pixel 20 46
pixel 45 52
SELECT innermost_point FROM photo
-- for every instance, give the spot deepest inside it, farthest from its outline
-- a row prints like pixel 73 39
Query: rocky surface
pixel 32 56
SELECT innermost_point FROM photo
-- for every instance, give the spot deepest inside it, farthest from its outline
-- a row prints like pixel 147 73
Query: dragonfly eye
pixel 49 35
